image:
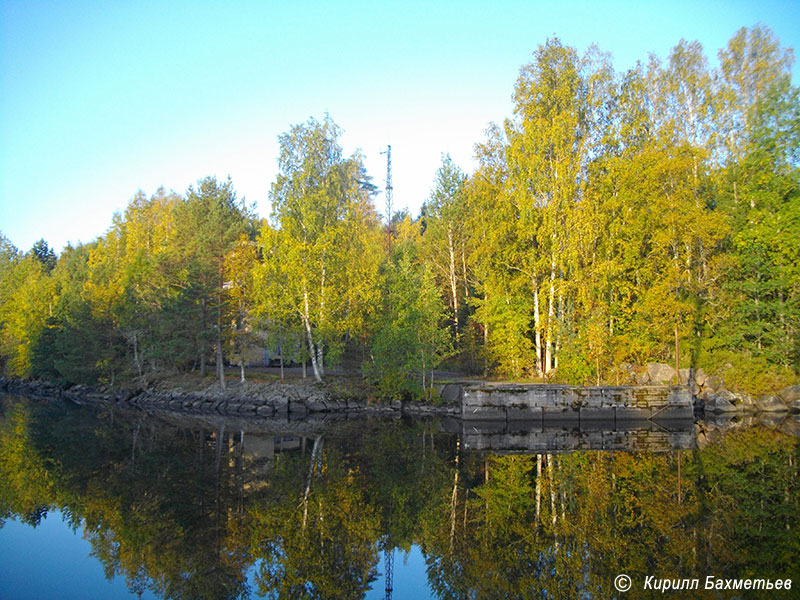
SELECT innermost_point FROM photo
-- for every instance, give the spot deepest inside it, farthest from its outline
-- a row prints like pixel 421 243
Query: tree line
pixel 610 213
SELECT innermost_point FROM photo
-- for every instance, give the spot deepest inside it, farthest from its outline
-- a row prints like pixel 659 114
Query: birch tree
pixel 321 251
pixel 445 236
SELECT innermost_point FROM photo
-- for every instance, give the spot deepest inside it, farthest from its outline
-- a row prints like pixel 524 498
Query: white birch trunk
pixel 560 321
pixel 310 338
pixel 537 325
pixel 538 489
pixel 548 349
pixel 314 452
pixel 552 490
pixel 453 280
pixel 454 499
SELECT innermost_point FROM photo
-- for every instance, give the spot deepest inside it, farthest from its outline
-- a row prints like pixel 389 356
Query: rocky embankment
pixel 256 400
pixel 300 398
pixel 712 396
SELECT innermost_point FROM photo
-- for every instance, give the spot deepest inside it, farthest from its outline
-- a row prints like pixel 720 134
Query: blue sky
pixel 100 99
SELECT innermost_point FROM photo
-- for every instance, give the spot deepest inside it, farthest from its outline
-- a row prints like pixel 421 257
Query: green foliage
pixel 744 372
pixel 410 340
pixel 27 489
pixel 26 302
pixel 44 254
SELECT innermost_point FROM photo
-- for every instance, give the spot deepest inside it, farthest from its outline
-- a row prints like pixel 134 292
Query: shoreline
pixel 249 400
pixel 301 398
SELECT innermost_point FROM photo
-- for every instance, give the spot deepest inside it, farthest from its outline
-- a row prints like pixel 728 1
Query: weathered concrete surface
pixel 542 402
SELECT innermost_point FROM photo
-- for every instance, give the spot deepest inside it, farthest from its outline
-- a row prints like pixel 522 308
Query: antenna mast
pixel 389 189
pixel 388 572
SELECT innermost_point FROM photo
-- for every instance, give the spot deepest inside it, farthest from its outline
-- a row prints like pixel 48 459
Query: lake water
pixel 106 503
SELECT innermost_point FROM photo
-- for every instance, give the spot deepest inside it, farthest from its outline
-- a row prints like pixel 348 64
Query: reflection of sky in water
pixel 410 579
pixel 52 562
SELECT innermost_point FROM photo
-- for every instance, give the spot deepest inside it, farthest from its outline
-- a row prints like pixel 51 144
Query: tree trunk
pixel 314 452
pixel 220 359
pixel 242 348
pixel 453 281
pixel 220 356
pixel 136 353
pixel 309 338
pixel 422 352
pixel 314 365
pixel 538 489
pixel 202 348
pixel 560 321
pixel 486 343
pixel 464 270
pixel 551 477
pixel 320 359
pixel 454 499
pixel 548 348
pixel 537 325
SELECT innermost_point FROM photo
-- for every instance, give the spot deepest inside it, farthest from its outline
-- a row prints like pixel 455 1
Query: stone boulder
pixel 746 403
pixel 316 403
pixel 451 393
pixel 297 408
pixel 770 403
pixel 716 403
pixel 700 377
pixel 713 383
pixel 791 425
pixel 660 373
pixel 265 411
pixel 790 396
pixel 742 401
pixel 770 420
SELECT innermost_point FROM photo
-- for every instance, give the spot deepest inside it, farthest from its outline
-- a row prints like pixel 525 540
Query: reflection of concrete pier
pixel 527 437
pixel 556 403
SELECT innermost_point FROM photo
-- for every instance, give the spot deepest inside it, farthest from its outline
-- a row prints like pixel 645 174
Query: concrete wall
pixel 486 401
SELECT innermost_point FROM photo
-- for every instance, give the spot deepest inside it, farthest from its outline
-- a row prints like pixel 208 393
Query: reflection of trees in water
pixel 320 541
pixel 147 496
pixel 564 526
pixel 185 511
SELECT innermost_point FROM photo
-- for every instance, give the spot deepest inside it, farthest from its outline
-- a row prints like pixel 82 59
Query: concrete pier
pixel 555 403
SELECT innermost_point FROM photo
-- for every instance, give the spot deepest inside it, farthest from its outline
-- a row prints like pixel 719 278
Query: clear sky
pixel 101 99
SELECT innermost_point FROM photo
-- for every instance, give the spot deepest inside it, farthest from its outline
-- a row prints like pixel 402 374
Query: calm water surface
pixel 104 503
